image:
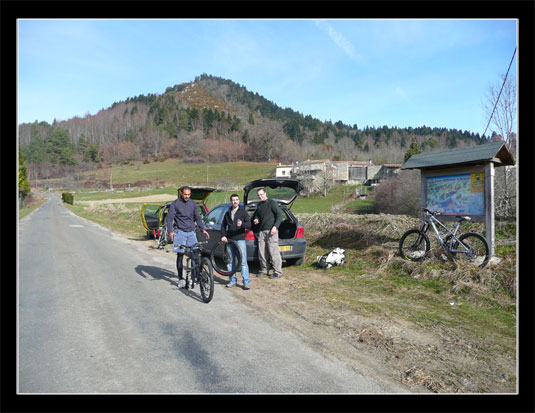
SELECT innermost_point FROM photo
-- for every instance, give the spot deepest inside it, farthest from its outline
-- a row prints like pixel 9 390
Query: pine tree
pixel 413 149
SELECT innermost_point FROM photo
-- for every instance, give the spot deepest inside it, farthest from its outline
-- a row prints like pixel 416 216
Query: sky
pixel 404 73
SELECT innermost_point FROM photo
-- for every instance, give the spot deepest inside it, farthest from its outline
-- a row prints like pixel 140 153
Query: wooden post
pixel 423 187
pixel 489 206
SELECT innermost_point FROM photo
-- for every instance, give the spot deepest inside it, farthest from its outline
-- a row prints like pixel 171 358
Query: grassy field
pixel 173 172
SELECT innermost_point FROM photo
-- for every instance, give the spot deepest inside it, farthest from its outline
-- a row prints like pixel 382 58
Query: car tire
pixel 295 261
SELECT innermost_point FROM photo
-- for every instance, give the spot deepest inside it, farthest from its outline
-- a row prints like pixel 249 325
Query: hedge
pixel 67 197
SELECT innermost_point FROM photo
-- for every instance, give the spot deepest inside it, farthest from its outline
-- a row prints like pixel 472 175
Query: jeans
pixel 183 238
pixel 244 267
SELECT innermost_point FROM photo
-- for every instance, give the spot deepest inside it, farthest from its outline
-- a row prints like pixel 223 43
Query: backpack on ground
pixel 332 259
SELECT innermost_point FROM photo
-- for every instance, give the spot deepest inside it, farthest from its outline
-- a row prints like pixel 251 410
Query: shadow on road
pixel 157 273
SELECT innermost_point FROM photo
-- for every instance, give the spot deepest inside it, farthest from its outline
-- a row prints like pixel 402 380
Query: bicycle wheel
pixel 206 280
pixel 414 245
pixel 221 257
pixel 477 249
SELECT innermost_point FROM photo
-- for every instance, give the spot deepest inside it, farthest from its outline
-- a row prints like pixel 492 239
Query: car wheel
pixel 295 261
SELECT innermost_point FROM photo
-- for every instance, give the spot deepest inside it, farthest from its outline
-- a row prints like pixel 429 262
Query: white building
pixel 283 171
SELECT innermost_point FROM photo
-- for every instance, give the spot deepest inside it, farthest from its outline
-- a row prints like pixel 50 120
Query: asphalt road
pixel 99 314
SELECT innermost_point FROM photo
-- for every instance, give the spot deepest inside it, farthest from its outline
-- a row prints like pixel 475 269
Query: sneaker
pixel 181 283
pixel 246 287
pixel 275 276
pixel 190 284
pixel 261 274
pixel 230 285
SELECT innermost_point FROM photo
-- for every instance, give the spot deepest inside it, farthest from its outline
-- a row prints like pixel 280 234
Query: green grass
pixel 29 209
pixel 121 218
pixel 176 173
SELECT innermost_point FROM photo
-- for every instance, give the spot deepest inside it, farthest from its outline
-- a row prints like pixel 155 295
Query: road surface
pixel 99 314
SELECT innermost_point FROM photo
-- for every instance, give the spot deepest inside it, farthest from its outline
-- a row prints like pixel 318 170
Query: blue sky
pixel 366 72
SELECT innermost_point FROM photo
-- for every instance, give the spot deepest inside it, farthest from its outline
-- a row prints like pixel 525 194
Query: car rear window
pixel 282 193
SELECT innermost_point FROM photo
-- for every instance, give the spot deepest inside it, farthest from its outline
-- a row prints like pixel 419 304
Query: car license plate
pixel 285 247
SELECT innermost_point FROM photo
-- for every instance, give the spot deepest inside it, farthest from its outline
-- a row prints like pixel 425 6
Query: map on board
pixel 457 194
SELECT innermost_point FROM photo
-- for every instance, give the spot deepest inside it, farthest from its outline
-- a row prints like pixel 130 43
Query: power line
pixel 499 94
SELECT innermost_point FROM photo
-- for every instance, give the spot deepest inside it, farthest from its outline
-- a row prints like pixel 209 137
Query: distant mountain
pixel 215 119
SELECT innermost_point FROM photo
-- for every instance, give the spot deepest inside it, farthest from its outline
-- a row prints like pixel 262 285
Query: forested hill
pixel 214 119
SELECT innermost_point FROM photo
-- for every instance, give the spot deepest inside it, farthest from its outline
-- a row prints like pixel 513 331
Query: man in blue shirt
pixel 181 219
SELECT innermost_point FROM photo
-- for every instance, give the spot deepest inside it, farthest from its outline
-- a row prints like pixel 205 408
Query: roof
pixel 357 163
pixel 495 151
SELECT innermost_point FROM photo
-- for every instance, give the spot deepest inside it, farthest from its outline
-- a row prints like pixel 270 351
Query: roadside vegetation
pixel 31 203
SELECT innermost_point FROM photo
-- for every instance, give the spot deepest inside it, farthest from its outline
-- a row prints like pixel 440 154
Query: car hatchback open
pixel 292 243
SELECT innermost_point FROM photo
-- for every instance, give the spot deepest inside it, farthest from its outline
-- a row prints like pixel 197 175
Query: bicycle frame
pixel 192 262
pixel 444 243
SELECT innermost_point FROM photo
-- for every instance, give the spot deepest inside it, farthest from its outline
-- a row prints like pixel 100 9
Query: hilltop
pixel 214 120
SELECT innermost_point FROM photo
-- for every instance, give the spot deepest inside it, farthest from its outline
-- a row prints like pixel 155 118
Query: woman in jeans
pixel 235 222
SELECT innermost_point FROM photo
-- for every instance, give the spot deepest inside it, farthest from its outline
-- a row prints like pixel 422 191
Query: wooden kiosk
pixel 461 182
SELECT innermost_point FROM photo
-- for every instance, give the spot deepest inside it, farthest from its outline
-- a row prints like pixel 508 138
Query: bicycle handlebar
pixel 192 246
pixel 434 213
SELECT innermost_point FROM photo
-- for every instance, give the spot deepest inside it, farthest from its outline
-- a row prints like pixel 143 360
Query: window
pixel 215 216
pixel 357 172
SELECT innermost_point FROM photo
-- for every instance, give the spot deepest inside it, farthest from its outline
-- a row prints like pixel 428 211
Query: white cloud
pixel 340 40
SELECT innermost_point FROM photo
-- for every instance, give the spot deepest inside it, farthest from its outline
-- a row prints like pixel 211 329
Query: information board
pixel 462 194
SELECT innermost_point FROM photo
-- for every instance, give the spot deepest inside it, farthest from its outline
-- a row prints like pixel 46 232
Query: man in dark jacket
pixel 235 222
pixel 181 219
pixel 268 216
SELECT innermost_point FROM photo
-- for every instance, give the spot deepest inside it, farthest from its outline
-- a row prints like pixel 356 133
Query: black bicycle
pixel 415 245
pixel 221 257
pixel 198 271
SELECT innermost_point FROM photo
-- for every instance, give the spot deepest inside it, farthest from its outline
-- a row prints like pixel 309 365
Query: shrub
pixel 68 198
pixel 400 195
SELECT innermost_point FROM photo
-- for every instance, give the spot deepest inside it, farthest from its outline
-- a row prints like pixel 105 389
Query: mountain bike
pixel 162 237
pixel 221 256
pixel 415 245
pixel 198 270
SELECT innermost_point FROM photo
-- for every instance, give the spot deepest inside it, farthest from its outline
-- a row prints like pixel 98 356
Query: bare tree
pixel 501 108
pixel 325 179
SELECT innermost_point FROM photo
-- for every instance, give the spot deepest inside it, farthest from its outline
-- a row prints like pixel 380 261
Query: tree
pixel 92 153
pixel 399 195
pixel 502 97
pixel 325 179
pixel 503 119
pixel 59 147
pixel 35 152
pixel 413 150
pixel 24 186
pixel 82 144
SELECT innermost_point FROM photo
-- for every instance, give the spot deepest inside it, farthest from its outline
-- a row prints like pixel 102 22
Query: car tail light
pixel 300 232
pixel 249 235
